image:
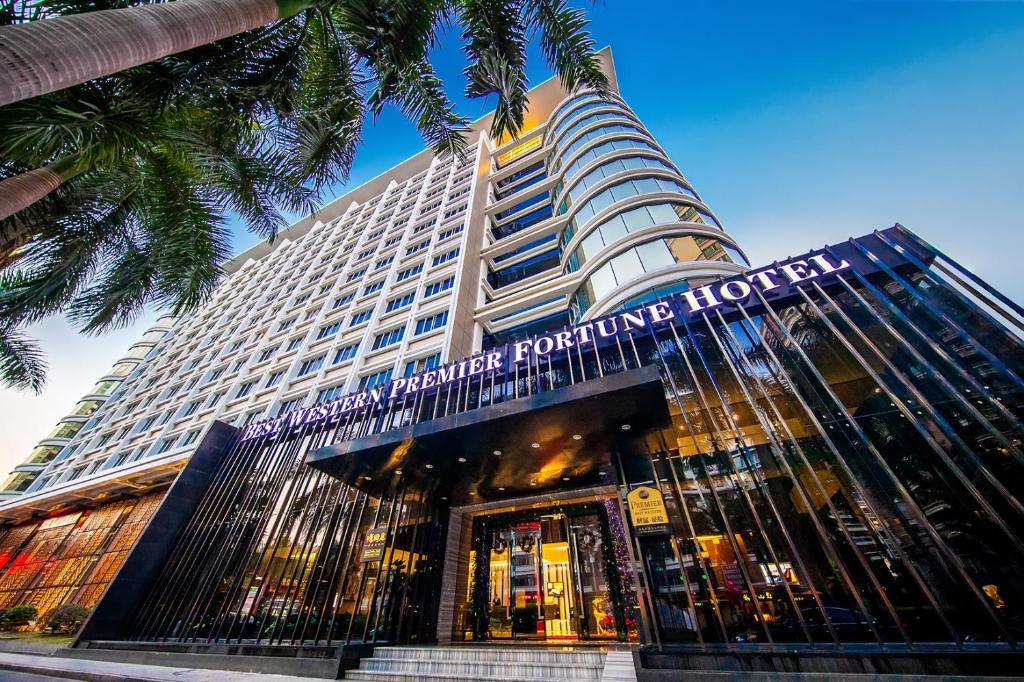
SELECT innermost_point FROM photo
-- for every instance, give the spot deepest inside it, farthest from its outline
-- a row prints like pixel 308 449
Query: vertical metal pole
pixel 362 500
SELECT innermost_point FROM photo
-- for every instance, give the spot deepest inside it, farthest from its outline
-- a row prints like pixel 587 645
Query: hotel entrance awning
pixel 550 440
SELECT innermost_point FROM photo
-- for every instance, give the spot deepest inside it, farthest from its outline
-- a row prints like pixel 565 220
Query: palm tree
pixel 122 182
pixel 390 39
pixel 41 56
pixel 151 230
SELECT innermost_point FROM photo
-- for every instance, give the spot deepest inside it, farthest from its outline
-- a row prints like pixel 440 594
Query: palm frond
pixel 118 296
pixel 496 47
pixel 92 122
pixel 322 146
pixel 390 35
pixel 67 252
pixel 419 93
pixel 186 240
pixel 566 44
pixel 22 365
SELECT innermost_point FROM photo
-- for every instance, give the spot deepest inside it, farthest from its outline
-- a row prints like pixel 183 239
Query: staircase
pixel 467 663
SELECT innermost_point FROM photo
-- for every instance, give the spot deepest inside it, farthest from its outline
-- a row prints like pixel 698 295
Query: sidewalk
pixel 103 671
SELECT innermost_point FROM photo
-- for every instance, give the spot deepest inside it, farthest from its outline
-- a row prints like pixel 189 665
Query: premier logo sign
pixel 736 290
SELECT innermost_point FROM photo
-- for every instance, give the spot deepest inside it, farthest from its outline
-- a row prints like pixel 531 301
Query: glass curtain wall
pixel 842 465
pixel 70 558
pixel 275 555
pixel 844 469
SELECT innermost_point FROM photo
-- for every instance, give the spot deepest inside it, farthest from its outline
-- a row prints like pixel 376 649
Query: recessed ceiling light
pixel 626 427
pixel 565 478
pixel 497 452
pixel 444 498
pixel 462 459
pixel 367 478
pixel 430 466
pixel 533 482
pixel 398 471
pixel 534 445
pixel 576 436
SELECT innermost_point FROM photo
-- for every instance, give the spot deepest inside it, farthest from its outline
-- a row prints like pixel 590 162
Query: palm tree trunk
pixel 42 56
pixel 21 191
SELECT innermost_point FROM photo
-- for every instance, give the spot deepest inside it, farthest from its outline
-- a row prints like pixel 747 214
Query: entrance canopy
pixel 556 439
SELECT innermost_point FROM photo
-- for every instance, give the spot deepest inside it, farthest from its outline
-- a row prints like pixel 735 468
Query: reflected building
pixel 539 394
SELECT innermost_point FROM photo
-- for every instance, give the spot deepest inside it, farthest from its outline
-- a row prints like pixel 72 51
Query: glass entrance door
pixel 597 613
pixel 559 600
pixel 527 581
pixel 546 577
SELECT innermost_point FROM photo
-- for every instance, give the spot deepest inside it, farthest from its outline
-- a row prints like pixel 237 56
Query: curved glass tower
pixel 588 215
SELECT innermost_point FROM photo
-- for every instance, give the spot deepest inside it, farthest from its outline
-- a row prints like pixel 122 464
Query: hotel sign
pixel 373 547
pixel 731 291
pixel 647 510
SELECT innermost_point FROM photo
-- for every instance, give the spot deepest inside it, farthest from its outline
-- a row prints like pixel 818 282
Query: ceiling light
pixel 430 466
pixel 367 478
pixel 398 471
pixel 533 482
pixel 565 478
pixel 576 436
pixel 462 459
pixel 497 452
pixel 626 427
pixel 444 498
pixel 501 489
pixel 534 445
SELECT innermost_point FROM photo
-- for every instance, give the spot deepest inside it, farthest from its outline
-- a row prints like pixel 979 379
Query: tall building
pixel 428 262
pixel 538 393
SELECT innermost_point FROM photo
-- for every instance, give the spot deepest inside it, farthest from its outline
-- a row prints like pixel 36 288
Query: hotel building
pixel 537 393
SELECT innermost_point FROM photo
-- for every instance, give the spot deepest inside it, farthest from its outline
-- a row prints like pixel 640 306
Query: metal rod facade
pixel 843 465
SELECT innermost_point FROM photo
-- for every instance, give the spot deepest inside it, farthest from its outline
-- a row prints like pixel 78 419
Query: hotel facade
pixel 539 393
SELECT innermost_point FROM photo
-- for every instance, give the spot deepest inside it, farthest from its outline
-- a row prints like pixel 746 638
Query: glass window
pixel 86 408
pixel 654 255
pixel 625 191
pixel 42 454
pixel 635 219
pixel 602 149
pixel 627 266
pixel 662 214
pixel 590 119
pixel 590 246
pixel 588 137
pixel 602 281
pixel 608 169
pixel 646 257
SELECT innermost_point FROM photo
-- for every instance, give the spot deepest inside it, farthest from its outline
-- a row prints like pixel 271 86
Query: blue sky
pixel 799 123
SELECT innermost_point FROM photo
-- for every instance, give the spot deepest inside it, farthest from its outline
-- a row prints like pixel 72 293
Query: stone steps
pixel 524 654
pixel 480 664
pixel 489 669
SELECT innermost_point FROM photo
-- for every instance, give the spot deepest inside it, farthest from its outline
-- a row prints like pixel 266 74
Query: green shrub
pixel 66 619
pixel 17 616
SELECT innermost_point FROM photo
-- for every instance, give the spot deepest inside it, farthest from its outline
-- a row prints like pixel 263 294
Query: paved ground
pixel 36 668
pixel 9 676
